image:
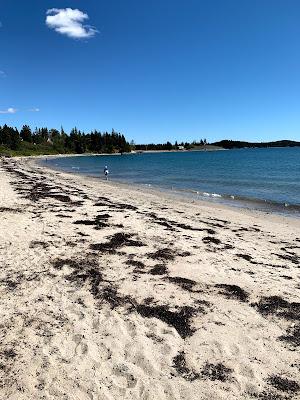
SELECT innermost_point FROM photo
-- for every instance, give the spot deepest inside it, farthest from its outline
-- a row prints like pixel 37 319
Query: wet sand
pixel 112 292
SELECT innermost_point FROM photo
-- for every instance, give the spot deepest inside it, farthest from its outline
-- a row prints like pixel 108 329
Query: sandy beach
pixel 113 292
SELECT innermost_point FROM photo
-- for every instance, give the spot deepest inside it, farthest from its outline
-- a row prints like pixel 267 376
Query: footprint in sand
pixel 81 347
pixel 122 371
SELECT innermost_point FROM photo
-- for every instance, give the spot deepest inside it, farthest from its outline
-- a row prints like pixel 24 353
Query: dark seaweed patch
pixel 159 269
pixel 99 221
pixel 171 225
pixel 87 271
pixel 10 285
pixel 116 241
pixel 209 239
pixel 289 257
pixel 185 283
pixel 275 305
pixel 267 395
pixel 105 202
pixel 179 363
pixel 37 243
pixel 36 190
pixel 292 336
pixel 162 254
pixel 286 277
pixel 216 372
pixel 134 263
pixel 82 234
pixel 114 299
pixel 84 270
pixel 283 384
pixel 180 320
pixel 245 257
pixel 9 353
pixel 123 206
pixel 10 210
pixel 233 291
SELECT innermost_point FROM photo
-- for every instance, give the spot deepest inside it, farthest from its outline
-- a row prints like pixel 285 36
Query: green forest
pixel 41 141
pixel 52 141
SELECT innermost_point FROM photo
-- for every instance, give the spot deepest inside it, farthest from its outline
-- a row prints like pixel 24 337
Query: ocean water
pixel 257 178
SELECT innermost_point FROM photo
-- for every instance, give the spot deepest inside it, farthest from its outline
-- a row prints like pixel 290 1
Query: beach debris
pixel 180 320
pixel 277 306
pixel 246 257
pixel 179 363
pixel 116 241
pixel 83 270
pixel 210 239
pixel 283 384
pixel 99 221
pixel 185 283
pixel 38 243
pixel 10 210
pixel 9 353
pixel 292 336
pixel 135 263
pixel 162 254
pixel 290 256
pixel 106 202
pixel 167 254
pixel 158 269
pixel 233 292
pixel 111 296
pixel 216 372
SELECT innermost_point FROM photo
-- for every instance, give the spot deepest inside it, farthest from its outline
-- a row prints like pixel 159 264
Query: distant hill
pixel 235 144
pixel 206 147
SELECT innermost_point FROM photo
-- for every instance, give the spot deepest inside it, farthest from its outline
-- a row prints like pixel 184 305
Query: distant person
pixel 106 172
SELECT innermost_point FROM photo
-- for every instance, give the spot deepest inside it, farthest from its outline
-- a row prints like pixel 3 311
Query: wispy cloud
pixel 34 109
pixel 2 74
pixel 69 22
pixel 10 110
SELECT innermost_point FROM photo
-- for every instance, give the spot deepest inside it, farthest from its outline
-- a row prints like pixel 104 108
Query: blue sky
pixel 155 70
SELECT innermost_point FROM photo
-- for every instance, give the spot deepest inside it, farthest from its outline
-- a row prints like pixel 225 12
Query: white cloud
pixel 10 110
pixel 34 109
pixel 2 74
pixel 69 22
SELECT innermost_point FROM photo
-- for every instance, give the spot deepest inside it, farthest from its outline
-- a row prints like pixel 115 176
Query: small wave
pixel 211 194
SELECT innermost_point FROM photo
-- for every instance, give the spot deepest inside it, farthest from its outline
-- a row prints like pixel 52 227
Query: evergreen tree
pixel 26 134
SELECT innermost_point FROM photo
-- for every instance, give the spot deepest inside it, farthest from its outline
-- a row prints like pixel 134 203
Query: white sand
pixel 91 328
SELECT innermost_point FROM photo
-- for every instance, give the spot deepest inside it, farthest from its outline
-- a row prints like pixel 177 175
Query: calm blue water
pixel 266 177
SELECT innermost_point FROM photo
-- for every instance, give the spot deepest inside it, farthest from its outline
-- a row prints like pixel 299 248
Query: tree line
pixel 236 144
pixel 169 146
pixel 58 141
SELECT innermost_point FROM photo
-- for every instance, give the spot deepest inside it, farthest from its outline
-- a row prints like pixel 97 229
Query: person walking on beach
pixel 106 172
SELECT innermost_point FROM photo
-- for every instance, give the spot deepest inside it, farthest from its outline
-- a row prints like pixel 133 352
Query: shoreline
pixel 232 201
pixel 108 291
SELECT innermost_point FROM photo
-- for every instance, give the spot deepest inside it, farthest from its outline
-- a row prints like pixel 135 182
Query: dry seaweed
pixel 185 283
pixel 159 269
pixel 283 384
pixel 277 306
pixel 116 241
pixel 216 372
pixel 233 292
pixel 162 254
pixel 292 336
pixel 180 320
pixel 209 239
pixel 179 363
